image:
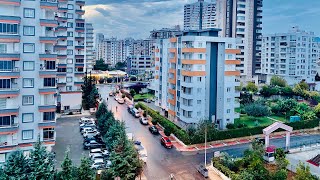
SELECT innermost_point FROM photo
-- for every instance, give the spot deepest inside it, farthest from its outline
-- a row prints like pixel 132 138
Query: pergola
pixel 268 130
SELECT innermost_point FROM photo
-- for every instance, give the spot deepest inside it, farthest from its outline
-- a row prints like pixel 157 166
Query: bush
pixel 154 121
pixel 231 126
pixel 101 81
pixel 278 81
pixel 109 80
pixel 256 110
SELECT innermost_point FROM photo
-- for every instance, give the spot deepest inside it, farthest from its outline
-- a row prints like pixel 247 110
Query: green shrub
pixel 154 121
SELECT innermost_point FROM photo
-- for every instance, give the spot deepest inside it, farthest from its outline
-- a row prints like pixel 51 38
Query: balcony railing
pixel 9 128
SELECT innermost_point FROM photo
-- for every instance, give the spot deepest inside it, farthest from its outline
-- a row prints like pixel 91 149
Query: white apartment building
pixel 199 15
pixel 89 47
pixel 28 73
pixel 140 65
pixel 111 51
pixel 242 19
pixel 293 56
pixel 196 76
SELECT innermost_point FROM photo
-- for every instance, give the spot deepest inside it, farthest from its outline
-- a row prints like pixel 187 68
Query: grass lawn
pixel 279 118
pixel 143 96
pixel 250 121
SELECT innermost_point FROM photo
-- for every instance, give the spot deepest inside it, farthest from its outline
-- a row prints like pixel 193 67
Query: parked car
pixel 153 130
pixel 147 100
pixel 92 133
pixel 90 123
pixel 144 120
pixel 88 126
pixel 93 144
pixel 99 150
pixel 135 112
pixel 203 170
pixel 98 164
pixel 165 141
pixel 120 100
pixel 93 137
pixel 129 108
pixel 96 156
pixel 85 129
pixel 85 120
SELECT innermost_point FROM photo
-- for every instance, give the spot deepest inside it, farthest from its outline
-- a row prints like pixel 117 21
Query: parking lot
pixel 68 136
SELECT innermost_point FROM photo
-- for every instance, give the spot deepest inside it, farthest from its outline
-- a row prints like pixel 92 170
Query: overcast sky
pixel 136 18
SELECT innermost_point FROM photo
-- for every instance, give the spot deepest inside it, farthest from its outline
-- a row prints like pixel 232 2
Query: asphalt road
pixel 162 162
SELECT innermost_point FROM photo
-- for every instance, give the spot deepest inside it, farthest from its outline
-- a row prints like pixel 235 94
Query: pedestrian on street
pixel 116 108
pixel 107 99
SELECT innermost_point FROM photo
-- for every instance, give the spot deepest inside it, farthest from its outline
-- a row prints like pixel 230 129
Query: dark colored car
pixel 129 108
pixel 153 130
pixel 98 139
pixel 147 100
pixel 93 144
pixel 165 141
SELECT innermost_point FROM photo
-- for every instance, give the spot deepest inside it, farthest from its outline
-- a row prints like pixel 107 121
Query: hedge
pixel 220 135
pixel 225 170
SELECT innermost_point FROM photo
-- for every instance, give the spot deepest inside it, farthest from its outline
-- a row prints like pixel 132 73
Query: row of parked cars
pixel 92 141
pixel 120 100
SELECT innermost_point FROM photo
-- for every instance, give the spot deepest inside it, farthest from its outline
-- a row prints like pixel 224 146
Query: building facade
pixel 293 56
pixel 242 19
pixel 90 59
pixel 111 51
pixel 165 33
pixel 140 65
pixel 195 76
pixel 199 15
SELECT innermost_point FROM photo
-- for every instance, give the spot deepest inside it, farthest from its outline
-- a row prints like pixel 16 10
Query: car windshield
pixel 167 140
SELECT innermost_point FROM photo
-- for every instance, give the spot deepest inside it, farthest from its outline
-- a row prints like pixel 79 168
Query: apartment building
pixel 111 51
pixel 199 15
pixel 196 76
pixel 89 47
pixel 293 56
pixel 242 19
pixel 143 47
pixel 140 65
pixel 28 75
pixel 165 33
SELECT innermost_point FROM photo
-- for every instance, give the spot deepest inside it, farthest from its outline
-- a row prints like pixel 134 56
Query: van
pixel 135 112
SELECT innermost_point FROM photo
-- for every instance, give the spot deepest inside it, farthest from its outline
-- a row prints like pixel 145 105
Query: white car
pixel 98 164
pixel 98 150
pixel 90 133
pixel 97 156
pixel 120 100
pixel 86 129
pixel 144 120
pixel 85 120
pixel 88 124
pixel 143 155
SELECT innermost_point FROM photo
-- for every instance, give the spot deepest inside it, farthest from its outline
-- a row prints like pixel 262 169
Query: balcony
pixel 13 128
pixel 80 3
pixel 51 90
pixel 61 84
pixel 79 65
pixel 10 19
pixel 79 56
pixel 10 56
pixel 61 74
pixel 9 38
pixel 9 93
pixel 187 61
pixel 61 28
pixel 49 4
pixel 62 10
pixel 47 108
pixel 48 73
pixel 60 47
pixel 61 56
pixel 193 50
pixel 81 74
pixel 193 73
pixel 9 111
pixel 80 12
pixel 78 83
pixel 62 19
pixel 79 47
pixel 10 73
pixel 79 38
pixel 48 57
pixel 80 20
pixel 62 65
pixel 11 2
pixel 48 40
pixel 48 23
pixel 79 29
pixel 47 124
pixel 172 102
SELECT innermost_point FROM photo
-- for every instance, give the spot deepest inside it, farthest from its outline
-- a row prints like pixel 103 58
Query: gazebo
pixel 273 127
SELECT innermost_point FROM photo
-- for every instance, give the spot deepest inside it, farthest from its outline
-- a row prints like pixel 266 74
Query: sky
pixel 136 18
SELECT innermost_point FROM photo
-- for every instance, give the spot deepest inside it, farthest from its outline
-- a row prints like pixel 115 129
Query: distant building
pixel 165 33
pixel 293 55
pixel 140 65
pixel 196 76
pixel 199 15
pixel 89 47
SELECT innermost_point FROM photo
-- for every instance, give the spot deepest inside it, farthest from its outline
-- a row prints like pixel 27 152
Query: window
pixel 69 52
pixel 48 134
pixel 27 117
pixel 5 84
pixel 5 121
pixel 49 82
pixel 3 48
pixel 228 100
pixel 2 158
pixel 70 16
pixel 27 134
pixel 69 88
pixel 229 46
pixel 8 28
pixel 70 34
pixel 69 70
pixel 28 65
pixel 6 66
pixel 48 116
pixel 27 100
pixel 3 103
pixel 69 61
pixel 198 101
pixel 199 79
pixel 28 82
pixel 70 6
pixel 200 56
pixel 28 30
pixel 69 43
pixel 228 89
pixel 69 79
pixel 69 25
pixel 28 47
pixel 50 65
pixel 28 13
pixel 228 111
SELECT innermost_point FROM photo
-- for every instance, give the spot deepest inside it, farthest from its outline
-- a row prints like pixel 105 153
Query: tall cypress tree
pixel 16 166
pixel 84 171
pixel 67 168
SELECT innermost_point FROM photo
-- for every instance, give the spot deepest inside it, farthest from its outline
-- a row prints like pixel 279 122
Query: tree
pixel 278 81
pixel 133 78
pixel 101 81
pixel 245 98
pixel 287 91
pixel 100 65
pixel 256 110
pixel 67 168
pixel 303 173
pixel 120 65
pixel 17 166
pixel 85 172
pixel 3 176
pixel 281 174
pixel 317 110
pixel 41 163
pixel 109 80
pixel 251 87
pixel 268 91
pixel 102 109
pixel 303 85
pixel 89 92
